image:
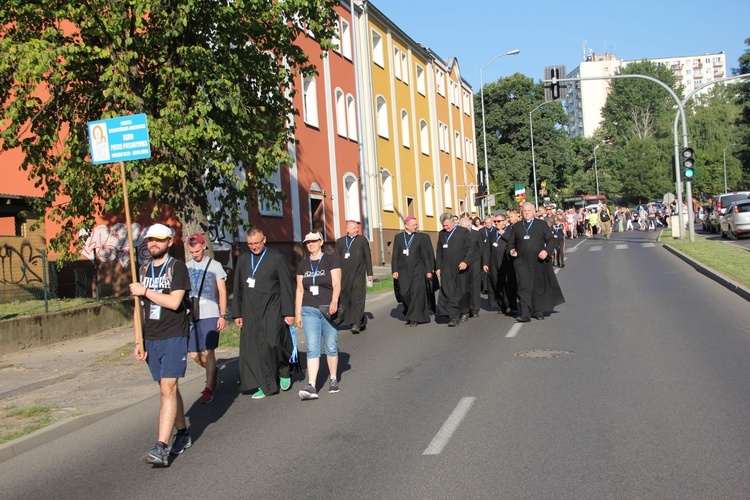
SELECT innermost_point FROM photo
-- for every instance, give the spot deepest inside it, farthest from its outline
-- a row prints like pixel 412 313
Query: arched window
pixel 382 111
pixel 351 197
pixel 447 192
pixel 351 117
pixel 429 205
pixel 424 138
pixel 310 101
pixel 405 129
pixel 340 113
pixel 387 180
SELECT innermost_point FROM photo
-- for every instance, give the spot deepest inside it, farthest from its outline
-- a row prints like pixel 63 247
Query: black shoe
pixel 355 329
pixel 562 265
pixel 523 319
pixel 464 318
pixel 539 316
pixel 453 322
pixel 412 323
pixel 363 324
pixel 474 314
pixel 180 442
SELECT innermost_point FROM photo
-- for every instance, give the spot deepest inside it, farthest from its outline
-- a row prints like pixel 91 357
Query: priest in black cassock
pixel 454 255
pixel 531 243
pixel 475 268
pixel 263 308
pixel 412 265
pixel 353 251
pixel 498 265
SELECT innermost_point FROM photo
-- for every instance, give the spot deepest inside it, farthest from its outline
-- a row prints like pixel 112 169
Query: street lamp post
pixel 533 158
pixel 596 170
pixel 484 126
pixel 726 189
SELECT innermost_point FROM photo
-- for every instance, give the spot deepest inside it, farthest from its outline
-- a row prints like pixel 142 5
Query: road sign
pixel 119 139
pixel 490 200
pixel 669 198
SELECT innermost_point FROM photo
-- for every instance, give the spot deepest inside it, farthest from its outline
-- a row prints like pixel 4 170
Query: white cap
pixel 313 236
pixel 159 231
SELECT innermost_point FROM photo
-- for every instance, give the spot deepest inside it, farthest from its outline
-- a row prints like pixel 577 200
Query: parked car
pixel 736 221
pixel 719 206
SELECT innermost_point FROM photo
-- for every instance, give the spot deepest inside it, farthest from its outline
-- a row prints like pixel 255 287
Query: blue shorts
pixel 315 325
pixel 167 358
pixel 204 335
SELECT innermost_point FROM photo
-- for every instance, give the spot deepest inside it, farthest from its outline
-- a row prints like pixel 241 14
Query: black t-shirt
pixel 159 322
pixel 321 270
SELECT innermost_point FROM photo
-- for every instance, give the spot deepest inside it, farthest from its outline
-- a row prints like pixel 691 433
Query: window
pixel 351 197
pixel 429 205
pixel 446 138
pixel 382 111
pixel 346 40
pixel 441 142
pixel 424 138
pixel 351 117
pixel 335 40
pixel 420 80
pixel 310 101
pixel 440 82
pixel 377 49
pixel 447 192
pixel 340 113
pixel 469 151
pixel 467 103
pixel 268 207
pixel 397 63
pixel 387 180
pixel 405 128
pixel 405 68
pixel 457 144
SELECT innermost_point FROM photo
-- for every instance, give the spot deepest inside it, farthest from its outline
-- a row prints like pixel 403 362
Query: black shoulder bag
pixel 195 302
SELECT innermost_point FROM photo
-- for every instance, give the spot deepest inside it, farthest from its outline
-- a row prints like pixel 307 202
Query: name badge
pixel 314 289
pixel 154 312
pixel 445 245
pixel 406 252
pixel 346 255
pixel 527 237
pixel 251 282
pixel 494 244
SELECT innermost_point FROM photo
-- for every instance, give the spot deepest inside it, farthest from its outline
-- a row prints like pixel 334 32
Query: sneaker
pixel 285 383
pixel 158 456
pixel 308 392
pixel 334 387
pixel 216 379
pixel 207 396
pixel 180 442
pixel 259 394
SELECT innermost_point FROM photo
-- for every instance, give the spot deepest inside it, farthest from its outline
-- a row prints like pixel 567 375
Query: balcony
pixel 718 64
pixel 697 65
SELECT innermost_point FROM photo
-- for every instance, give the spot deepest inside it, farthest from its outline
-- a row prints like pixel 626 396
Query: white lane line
pixel 649 245
pixel 595 248
pixel 449 427
pixel 571 249
pixel 513 331
pixel 621 246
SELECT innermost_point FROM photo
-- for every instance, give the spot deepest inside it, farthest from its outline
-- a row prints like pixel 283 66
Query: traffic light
pixel 482 190
pixel 554 91
pixel 688 163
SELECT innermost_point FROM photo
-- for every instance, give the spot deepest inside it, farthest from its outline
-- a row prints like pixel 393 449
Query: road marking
pixel 513 331
pixel 621 246
pixel 595 248
pixel 449 427
pixel 571 249
pixel 649 245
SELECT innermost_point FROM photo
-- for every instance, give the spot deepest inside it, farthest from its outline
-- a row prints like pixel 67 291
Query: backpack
pixel 604 217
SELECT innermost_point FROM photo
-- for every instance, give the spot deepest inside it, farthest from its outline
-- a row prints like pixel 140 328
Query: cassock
pixel 502 276
pixel 454 247
pixel 475 270
pixel 265 342
pixel 356 266
pixel 538 290
pixel 412 259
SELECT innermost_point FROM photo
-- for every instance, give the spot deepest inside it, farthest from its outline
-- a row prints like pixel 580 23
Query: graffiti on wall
pixel 17 265
pixel 110 244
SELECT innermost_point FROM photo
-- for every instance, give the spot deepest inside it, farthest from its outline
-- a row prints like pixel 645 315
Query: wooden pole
pixel 134 273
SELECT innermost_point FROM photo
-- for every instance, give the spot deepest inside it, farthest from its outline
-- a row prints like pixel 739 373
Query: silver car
pixel 719 207
pixel 736 220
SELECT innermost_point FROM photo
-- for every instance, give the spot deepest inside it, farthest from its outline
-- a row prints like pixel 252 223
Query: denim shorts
pixel 314 324
pixel 204 335
pixel 167 358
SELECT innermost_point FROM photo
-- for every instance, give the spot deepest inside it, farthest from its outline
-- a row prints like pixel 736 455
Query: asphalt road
pixel 635 388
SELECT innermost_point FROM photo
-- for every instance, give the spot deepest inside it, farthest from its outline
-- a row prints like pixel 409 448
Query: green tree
pixel 214 78
pixel 742 149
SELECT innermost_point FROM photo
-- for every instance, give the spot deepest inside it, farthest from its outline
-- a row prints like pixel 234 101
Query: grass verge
pixel 17 422
pixel 33 307
pixel 731 261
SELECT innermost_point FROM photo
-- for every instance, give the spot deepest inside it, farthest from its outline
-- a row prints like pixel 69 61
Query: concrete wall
pixel 18 334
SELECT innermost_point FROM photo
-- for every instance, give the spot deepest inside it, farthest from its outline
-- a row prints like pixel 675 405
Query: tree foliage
pixel 214 78
pixel 742 149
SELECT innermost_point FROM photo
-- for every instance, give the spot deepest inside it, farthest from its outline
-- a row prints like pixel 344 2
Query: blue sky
pixel 553 33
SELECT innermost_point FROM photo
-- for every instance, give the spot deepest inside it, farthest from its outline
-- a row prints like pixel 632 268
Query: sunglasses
pixel 499 220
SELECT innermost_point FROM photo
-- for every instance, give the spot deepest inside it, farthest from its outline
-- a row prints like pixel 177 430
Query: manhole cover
pixel 543 353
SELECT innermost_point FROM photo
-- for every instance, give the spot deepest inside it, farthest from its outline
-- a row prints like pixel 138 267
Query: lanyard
pixel 315 271
pixel 527 229
pixel 253 266
pixel 154 278
pixel 497 238
pixel 408 243
pixel 486 233
pixel 349 243
pixel 195 278
pixel 450 235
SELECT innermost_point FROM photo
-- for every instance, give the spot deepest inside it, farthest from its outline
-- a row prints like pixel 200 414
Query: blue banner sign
pixel 119 139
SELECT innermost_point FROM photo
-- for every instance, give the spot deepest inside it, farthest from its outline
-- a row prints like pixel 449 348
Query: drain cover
pixel 543 353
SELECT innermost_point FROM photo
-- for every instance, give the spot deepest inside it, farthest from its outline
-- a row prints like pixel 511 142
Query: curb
pixel 59 429
pixel 711 273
